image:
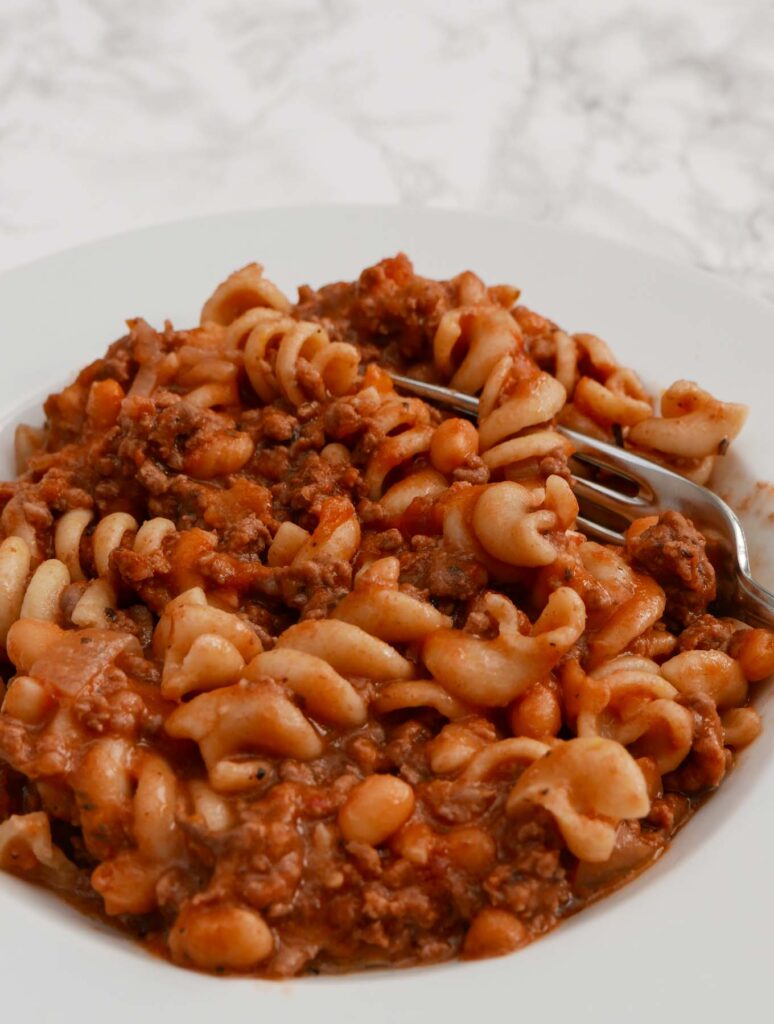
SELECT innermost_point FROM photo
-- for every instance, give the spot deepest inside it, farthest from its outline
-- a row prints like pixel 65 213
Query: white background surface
pixel 649 121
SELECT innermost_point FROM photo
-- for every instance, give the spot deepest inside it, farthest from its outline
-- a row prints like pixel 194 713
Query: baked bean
pixel 221 938
pixel 493 933
pixel 538 713
pixel 740 727
pixel 375 809
pixel 414 842
pixel 471 849
pixel 756 654
pixel 453 443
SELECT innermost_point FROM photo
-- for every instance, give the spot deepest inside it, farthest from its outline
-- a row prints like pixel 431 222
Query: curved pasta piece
pixel 485 333
pixel 152 534
pixel 740 727
pixel 457 743
pixel 203 648
pixel 239 330
pixel 127 883
pixel 492 673
pixel 510 525
pixel 532 401
pixel 407 433
pixel 632 704
pixel 44 591
pixel 589 786
pixel 338 365
pixel 632 675
pixel 426 483
pixel 393 452
pixel 155 810
pixel 347 649
pixel 693 424
pixel 103 792
pixel 287 542
pixel 67 540
pixel 110 532
pixel 241 291
pixel 108 536
pixel 274 347
pixel 336 537
pixel 516 411
pixel 459 534
pixel 561 501
pixel 420 693
pixel 96 607
pixel 628 621
pixel 536 445
pixel 663 731
pixel 230 723
pixel 163 630
pixel 209 807
pixel 302 340
pixel 389 614
pixel 15 563
pixel 609 569
pixel 30 639
pixel 27 849
pixel 213 394
pixel 225 451
pixel 397 412
pixel 517 749
pixel 611 402
pixel 216 937
pixel 28 701
pixel 713 673
pixel 454 443
pixel 325 693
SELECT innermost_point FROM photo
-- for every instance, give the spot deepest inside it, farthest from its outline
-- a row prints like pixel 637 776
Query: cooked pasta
pixel 303 676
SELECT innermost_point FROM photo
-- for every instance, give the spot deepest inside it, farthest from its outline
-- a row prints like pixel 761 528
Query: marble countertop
pixel 648 121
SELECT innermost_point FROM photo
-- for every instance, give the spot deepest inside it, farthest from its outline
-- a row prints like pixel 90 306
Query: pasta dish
pixel 301 675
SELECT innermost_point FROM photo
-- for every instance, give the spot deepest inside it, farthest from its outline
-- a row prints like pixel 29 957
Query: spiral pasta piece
pixel 505 525
pixel 491 673
pixel 694 427
pixel 243 290
pixel 515 419
pixel 629 701
pixel 203 648
pixel 485 333
pixel 25 594
pixel 380 608
pixel 571 782
pixel 277 343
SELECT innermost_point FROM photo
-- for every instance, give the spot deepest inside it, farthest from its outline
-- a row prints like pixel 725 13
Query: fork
pixel 654 488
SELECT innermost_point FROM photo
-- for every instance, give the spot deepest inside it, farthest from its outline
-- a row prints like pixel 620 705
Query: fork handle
pixel 754 601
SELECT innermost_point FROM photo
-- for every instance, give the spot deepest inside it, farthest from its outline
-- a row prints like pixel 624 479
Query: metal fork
pixel 654 489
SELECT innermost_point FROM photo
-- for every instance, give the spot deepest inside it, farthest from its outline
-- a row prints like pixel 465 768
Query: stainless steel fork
pixel 654 489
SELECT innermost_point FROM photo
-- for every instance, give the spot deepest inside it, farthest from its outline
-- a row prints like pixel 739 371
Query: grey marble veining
pixel 649 121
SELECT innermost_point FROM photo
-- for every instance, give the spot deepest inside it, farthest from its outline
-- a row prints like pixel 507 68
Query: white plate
pixel 691 939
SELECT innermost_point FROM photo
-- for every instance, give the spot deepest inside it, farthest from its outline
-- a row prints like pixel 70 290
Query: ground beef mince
pixel 673 552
